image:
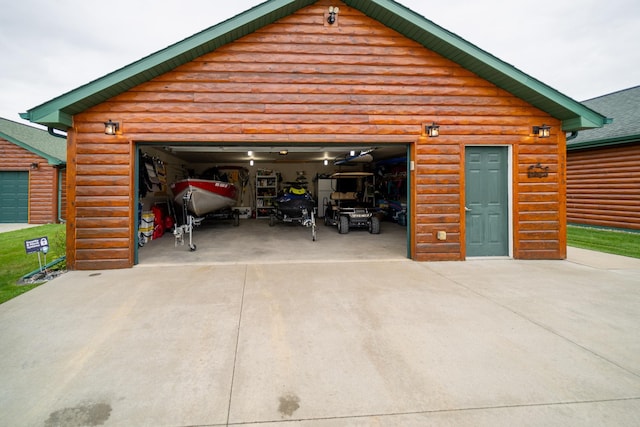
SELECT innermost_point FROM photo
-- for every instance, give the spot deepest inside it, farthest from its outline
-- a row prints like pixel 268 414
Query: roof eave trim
pixel 582 123
pixel 601 143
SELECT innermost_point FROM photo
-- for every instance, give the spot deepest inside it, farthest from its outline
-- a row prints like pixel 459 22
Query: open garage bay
pixel 254 241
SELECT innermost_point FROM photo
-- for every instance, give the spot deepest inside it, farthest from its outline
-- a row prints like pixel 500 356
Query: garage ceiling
pixel 272 153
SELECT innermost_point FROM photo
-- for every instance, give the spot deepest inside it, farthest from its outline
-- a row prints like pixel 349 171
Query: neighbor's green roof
pixel 58 112
pixel 624 107
pixel 37 141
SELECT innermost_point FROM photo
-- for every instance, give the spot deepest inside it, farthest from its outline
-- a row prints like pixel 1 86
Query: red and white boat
pixel 207 195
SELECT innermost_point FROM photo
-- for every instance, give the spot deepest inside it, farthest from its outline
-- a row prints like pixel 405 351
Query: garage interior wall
pixel 289 171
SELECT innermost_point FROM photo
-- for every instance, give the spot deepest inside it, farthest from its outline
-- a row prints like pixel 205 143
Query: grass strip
pixel 16 262
pixel 604 240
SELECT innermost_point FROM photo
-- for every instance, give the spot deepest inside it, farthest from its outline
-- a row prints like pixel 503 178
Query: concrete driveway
pixel 360 343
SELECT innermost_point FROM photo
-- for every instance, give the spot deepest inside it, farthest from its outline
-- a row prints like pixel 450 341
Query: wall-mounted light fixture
pixel 34 166
pixel 326 162
pixel 249 153
pixel 283 152
pixel 333 11
pixel 251 162
pixel 110 128
pixel 543 131
pixel 432 130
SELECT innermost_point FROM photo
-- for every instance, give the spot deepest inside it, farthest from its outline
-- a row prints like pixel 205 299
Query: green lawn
pixel 601 240
pixel 16 263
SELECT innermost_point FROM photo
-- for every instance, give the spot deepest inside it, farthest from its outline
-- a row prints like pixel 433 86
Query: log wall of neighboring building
pixel 604 187
pixel 298 81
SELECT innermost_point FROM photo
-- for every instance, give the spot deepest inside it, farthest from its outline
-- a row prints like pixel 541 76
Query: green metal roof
pixel 37 141
pixel 58 112
pixel 624 107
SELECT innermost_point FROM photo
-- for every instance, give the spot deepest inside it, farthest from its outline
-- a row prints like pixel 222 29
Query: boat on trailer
pixel 204 196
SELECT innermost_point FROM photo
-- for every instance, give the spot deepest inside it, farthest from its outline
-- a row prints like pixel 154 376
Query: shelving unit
pixel 266 193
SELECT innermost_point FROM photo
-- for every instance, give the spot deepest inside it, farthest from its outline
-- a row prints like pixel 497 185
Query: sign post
pixel 38 245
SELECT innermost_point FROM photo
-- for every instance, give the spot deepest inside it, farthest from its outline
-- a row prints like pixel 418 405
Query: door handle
pixel 466 209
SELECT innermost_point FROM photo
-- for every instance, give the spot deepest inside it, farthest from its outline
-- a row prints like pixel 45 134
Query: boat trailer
pixel 189 222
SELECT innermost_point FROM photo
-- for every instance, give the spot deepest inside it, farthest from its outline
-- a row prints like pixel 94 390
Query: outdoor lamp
pixel 333 11
pixel 432 130
pixel 110 128
pixel 543 131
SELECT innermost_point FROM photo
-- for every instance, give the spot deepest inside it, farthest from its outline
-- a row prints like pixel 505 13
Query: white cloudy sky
pixel 583 48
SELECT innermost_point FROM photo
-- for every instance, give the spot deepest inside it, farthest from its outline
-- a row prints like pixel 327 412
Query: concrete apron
pixel 357 343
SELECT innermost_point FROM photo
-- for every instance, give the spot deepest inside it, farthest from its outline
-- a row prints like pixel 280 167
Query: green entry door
pixel 14 197
pixel 487 201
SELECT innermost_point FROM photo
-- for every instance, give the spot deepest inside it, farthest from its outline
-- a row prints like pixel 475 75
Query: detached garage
pixel 32 175
pixel 481 143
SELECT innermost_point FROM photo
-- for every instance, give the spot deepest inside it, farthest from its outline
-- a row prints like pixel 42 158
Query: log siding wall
pixel 603 187
pixel 298 81
pixel 43 182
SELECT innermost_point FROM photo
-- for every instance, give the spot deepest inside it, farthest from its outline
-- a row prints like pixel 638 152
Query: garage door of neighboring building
pixel 14 193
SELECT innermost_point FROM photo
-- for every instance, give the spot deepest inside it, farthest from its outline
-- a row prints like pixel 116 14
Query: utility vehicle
pixel 352 202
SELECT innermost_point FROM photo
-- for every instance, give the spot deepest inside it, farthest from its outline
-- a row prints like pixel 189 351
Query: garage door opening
pixel 247 233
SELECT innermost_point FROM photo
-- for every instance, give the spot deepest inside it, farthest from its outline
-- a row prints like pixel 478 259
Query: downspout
pixel 573 135
pixel 57 135
pixel 60 219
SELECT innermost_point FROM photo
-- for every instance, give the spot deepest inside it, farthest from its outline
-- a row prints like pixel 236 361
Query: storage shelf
pixel 266 193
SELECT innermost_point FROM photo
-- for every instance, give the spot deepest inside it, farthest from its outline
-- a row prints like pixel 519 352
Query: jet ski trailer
pixel 295 206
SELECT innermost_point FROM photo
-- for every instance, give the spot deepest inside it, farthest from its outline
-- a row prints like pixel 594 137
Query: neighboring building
pixel 603 166
pixel 32 175
pixel 282 73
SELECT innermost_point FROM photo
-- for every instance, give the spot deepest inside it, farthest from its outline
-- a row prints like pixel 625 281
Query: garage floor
pixel 254 241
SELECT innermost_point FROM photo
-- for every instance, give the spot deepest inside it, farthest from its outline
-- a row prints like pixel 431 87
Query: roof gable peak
pixel 58 112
